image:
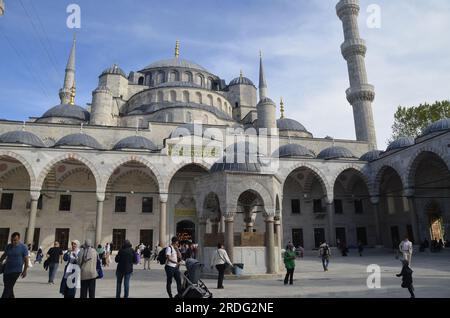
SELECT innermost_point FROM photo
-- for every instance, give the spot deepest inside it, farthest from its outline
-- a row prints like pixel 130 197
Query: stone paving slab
pixel 346 278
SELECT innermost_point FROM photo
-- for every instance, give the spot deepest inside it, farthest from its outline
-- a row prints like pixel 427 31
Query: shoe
pixel 220 287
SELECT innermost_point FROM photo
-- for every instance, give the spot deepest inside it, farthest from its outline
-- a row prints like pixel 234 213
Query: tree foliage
pixel 411 121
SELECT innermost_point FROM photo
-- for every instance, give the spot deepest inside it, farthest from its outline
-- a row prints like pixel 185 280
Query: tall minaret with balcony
pixel 360 94
pixel 69 78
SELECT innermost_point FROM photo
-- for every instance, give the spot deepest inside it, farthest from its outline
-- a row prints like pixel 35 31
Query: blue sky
pixel 407 59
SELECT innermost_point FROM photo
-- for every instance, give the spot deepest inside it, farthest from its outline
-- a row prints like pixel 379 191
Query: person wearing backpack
pixel 407 280
pixel 125 260
pixel 172 267
pixel 325 253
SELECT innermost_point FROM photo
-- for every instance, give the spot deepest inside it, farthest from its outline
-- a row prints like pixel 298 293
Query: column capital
pixel 163 197
pixel 269 218
pixel 229 216
pixel 100 196
pixel 35 194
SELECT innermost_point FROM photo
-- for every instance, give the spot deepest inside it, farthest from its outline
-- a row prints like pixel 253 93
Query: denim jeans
pixel 52 269
pixel 325 261
pixel 126 284
pixel 173 272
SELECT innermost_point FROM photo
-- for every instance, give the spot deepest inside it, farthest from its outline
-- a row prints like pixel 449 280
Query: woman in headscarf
pixel 71 278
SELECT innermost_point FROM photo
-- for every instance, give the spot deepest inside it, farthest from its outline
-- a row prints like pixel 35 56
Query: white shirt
pixel 220 257
pixel 406 246
pixel 173 256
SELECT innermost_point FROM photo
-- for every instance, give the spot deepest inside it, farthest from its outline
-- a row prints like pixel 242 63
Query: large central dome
pixel 175 62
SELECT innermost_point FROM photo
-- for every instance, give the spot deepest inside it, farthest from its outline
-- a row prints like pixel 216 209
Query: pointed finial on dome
pixel 72 94
pixel 177 49
pixel 281 108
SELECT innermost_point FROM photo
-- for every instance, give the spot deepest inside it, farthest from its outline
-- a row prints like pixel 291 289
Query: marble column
pixel 229 236
pixel 163 220
pixel 331 231
pixel 99 218
pixel 270 244
pixel 32 218
pixel 375 200
pixel 413 216
pixel 201 238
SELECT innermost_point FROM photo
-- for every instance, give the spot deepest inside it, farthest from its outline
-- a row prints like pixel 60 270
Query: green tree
pixel 411 121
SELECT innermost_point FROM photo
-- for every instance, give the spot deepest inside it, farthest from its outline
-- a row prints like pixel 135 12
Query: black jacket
pixel 406 275
pixel 125 260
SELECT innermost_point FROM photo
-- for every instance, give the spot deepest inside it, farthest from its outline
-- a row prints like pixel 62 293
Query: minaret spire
pixel 69 78
pixel 177 49
pixel 282 108
pixel 262 79
pixel 360 94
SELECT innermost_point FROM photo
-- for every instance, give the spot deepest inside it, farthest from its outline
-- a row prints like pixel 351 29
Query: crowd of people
pixel 84 263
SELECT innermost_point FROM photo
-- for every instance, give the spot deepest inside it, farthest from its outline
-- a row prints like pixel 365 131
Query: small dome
pixel 245 158
pixel 335 153
pixel 135 142
pixel 241 80
pixel 78 140
pixel 440 125
pixel 401 143
pixel 371 156
pixel 293 150
pixel 114 70
pixel 175 62
pixel 22 138
pixel 266 100
pixel 285 124
pixel 68 111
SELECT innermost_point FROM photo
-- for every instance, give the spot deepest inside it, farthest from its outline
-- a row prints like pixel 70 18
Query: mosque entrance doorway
pixel 436 222
pixel 186 231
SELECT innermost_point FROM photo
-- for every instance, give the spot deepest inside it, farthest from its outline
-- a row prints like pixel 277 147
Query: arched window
pixel 161 77
pixel 199 97
pixel 148 80
pixel 168 117
pixel 219 104
pixel 174 76
pixel 188 77
pixel 186 98
pixel 173 96
pixel 160 97
pixel 189 117
pixel 210 100
pixel 210 83
pixel 201 80
pixel 141 80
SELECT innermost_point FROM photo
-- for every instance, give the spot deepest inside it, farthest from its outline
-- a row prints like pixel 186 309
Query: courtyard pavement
pixel 346 278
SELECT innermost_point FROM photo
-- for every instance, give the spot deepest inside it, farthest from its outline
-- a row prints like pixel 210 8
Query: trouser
pixel 52 270
pixel 173 272
pixel 289 276
pixel 87 286
pixel 407 256
pixel 126 284
pixel 146 263
pixel 221 269
pixel 9 280
pixel 325 262
pixel 411 290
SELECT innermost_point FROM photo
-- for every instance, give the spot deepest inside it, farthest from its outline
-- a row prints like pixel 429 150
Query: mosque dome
pixel 266 100
pixel 245 158
pixel 178 84
pixel 335 153
pixel 22 138
pixel 371 155
pixel 135 142
pixel 290 124
pixel 67 111
pixel 400 143
pixel 440 125
pixel 241 80
pixel 78 140
pixel 293 151
pixel 177 63
pixel 114 70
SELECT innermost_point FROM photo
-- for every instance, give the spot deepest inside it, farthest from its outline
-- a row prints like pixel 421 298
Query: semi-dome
pixel 440 125
pixel 400 143
pixel 67 111
pixel 371 155
pixel 135 142
pixel 114 70
pixel 244 157
pixel 285 124
pixel 241 80
pixel 293 151
pixel 175 62
pixel 335 153
pixel 22 138
pixel 78 140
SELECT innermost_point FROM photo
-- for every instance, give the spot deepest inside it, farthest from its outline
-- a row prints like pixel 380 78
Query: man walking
pixel 125 261
pixel 147 253
pixel 325 253
pixel 406 248
pixel 16 264
pixel 88 265
pixel 172 268
pixel 54 256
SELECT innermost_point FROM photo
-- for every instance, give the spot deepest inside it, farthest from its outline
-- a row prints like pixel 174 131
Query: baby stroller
pixel 192 286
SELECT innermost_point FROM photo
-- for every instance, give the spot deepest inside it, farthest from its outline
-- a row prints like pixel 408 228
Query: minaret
pixel 177 49
pixel 262 79
pixel 360 94
pixel 69 79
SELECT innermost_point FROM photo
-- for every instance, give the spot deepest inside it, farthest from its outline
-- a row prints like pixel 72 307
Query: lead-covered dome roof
pixel 286 124
pixel 135 142
pixel 68 111
pixel 114 70
pixel 440 125
pixel 78 140
pixel 336 153
pixel 293 151
pixel 241 80
pixel 22 138
pixel 400 143
pixel 371 155
pixel 239 157
pixel 175 62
